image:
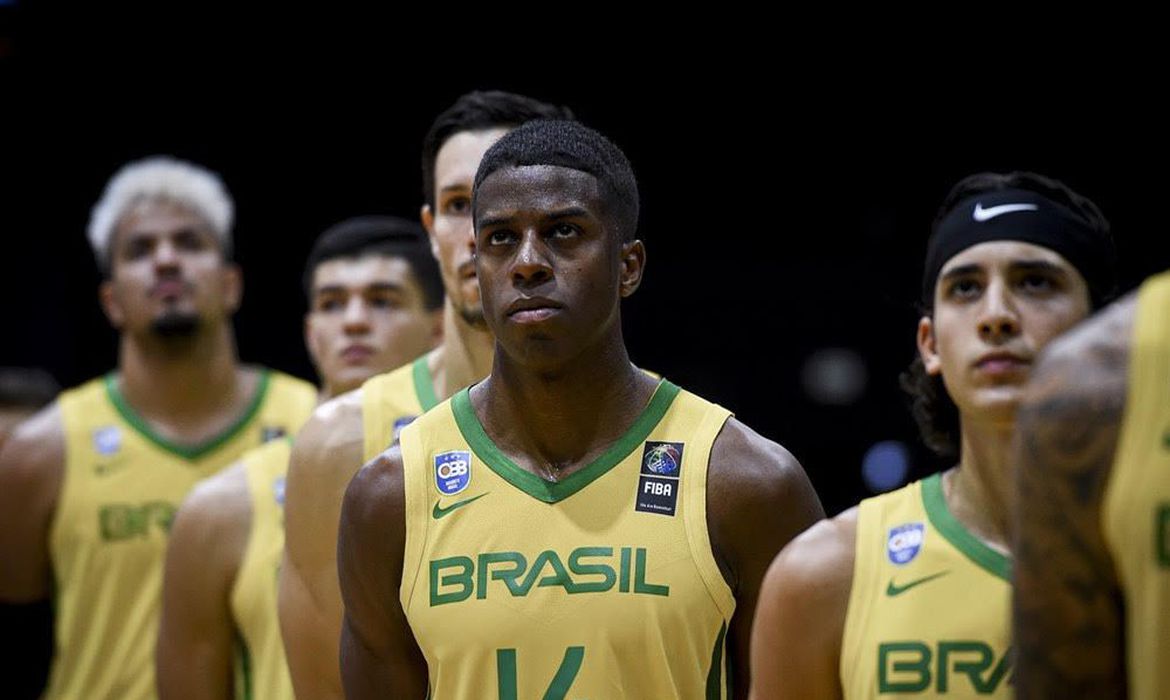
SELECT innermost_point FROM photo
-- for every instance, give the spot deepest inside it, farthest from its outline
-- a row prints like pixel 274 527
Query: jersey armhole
pixel 371 419
pixel 697 463
pixel 416 526
pixel 861 587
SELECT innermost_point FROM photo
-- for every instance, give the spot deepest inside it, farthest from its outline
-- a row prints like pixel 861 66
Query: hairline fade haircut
pixel 385 236
pixel 575 146
pixel 161 178
pixel 934 412
pixel 480 111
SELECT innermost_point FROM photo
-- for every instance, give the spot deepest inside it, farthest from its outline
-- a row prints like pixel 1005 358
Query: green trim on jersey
pixel 188 452
pixel 946 523
pixel 552 492
pixel 245 669
pixel 715 673
pixel 424 384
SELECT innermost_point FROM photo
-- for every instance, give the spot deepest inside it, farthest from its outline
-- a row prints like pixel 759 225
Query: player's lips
pixel 1001 362
pixel 532 309
pixel 168 289
pixel 356 354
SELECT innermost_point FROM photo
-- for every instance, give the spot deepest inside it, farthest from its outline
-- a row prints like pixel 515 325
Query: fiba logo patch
pixel 399 425
pixel 660 479
pixel 662 458
pixel 278 490
pixel 107 440
pixel 904 542
pixel 452 471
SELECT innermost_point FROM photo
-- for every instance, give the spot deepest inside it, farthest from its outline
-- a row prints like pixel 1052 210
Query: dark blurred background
pixel 787 191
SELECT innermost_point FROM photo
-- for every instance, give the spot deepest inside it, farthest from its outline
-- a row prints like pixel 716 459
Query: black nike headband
pixel 1028 217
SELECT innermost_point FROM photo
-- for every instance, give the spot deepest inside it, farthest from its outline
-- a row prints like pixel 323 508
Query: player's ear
pixel 108 298
pixel 233 281
pixel 927 347
pixel 427 216
pixel 633 265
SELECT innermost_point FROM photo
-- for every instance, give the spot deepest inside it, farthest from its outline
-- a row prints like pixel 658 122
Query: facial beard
pixel 473 316
pixel 175 326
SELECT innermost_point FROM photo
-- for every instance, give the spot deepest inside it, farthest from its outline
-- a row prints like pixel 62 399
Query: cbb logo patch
pixel 452 471
pixel 904 542
pixel 107 440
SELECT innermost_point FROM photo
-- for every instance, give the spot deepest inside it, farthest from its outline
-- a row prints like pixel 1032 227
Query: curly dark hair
pixel 935 413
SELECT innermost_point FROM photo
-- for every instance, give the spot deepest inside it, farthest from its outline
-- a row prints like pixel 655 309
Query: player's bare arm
pixel 194 654
pixel 1068 619
pixel 800 621
pixel 759 499
pixel 379 655
pixel 326 454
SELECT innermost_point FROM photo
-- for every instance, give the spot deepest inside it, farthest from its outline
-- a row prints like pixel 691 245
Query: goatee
pixel 175 326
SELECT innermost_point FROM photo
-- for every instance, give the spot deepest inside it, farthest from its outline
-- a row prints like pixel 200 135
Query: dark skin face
pixel 551 264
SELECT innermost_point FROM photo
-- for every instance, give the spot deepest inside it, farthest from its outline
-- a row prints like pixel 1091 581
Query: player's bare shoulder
pixel 219 506
pixel 36 448
pixel 334 432
pixel 816 568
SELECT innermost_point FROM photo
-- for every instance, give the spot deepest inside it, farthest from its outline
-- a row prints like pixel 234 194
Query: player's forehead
pixel 358 273
pixel 535 189
pixel 459 156
pixel 161 217
pixel 1002 255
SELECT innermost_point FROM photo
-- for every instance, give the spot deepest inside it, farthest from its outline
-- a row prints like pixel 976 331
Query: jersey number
pixel 557 689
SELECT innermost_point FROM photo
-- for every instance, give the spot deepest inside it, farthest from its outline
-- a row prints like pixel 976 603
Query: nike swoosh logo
pixel 439 512
pixel 990 213
pixel 893 590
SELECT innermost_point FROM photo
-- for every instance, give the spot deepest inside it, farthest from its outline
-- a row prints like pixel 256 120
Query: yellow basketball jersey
pixel 262 671
pixel 930 606
pixel 392 400
pixel 602 585
pixel 1136 510
pixel 107 541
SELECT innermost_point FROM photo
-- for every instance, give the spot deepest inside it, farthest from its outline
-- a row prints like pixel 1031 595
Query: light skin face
pixel 166 263
pixel 449 223
pixel 996 305
pixel 368 316
pixel 548 261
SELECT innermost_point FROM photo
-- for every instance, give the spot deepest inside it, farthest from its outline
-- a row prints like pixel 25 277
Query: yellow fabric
pixel 565 590
pixel 108 537
pixel 938 623
pixel 262 667
pixel 390 401
pixel 1136 510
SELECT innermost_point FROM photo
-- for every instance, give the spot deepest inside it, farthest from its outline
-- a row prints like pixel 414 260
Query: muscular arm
pixel 1067 616
pixel 800 619
pixel 379 655
pixel 758 499
pixel 326 454
pixel 32 467
pixel 193 657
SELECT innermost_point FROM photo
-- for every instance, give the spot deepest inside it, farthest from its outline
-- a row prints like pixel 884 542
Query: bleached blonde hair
pixel 165 178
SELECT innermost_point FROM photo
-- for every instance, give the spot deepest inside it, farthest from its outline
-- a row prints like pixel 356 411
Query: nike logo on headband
pixel 990 213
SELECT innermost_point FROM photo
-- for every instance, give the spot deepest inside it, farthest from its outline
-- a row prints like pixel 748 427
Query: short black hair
pixel 478 111
pixel 27 388
pixel 576 146
pixel 389 236
pixel 935 413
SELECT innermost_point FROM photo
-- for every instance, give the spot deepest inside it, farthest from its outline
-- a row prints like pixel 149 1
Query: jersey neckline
pixel 187 452
pixel 552 492
pixel 424 384
pixel 975 549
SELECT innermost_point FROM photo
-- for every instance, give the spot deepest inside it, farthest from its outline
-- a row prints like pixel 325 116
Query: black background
pixel 787 190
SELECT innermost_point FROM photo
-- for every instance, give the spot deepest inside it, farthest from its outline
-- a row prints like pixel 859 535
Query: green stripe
pixel 189 452
pixel 715 673
pixel 949 526
pixel 552 492
pixel 424 384
pixel 245 661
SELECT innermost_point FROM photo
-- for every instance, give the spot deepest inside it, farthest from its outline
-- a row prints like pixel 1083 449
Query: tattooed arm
pixel 1068 620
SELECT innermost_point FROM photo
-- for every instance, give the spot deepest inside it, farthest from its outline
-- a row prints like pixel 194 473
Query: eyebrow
pixel 1015 265
pixel 375 287
pixel 558 215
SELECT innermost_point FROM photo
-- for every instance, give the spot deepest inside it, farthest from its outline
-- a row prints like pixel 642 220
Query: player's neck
pixel 168 380
pixel 979 488
pixel 555 423
pixel 464 357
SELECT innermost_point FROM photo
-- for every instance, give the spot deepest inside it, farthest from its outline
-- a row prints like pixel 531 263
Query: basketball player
pixel 374 303
pixel 348 431
pixel 908 593
pixel 88 486
pixel 570 526
pixel 1093 513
